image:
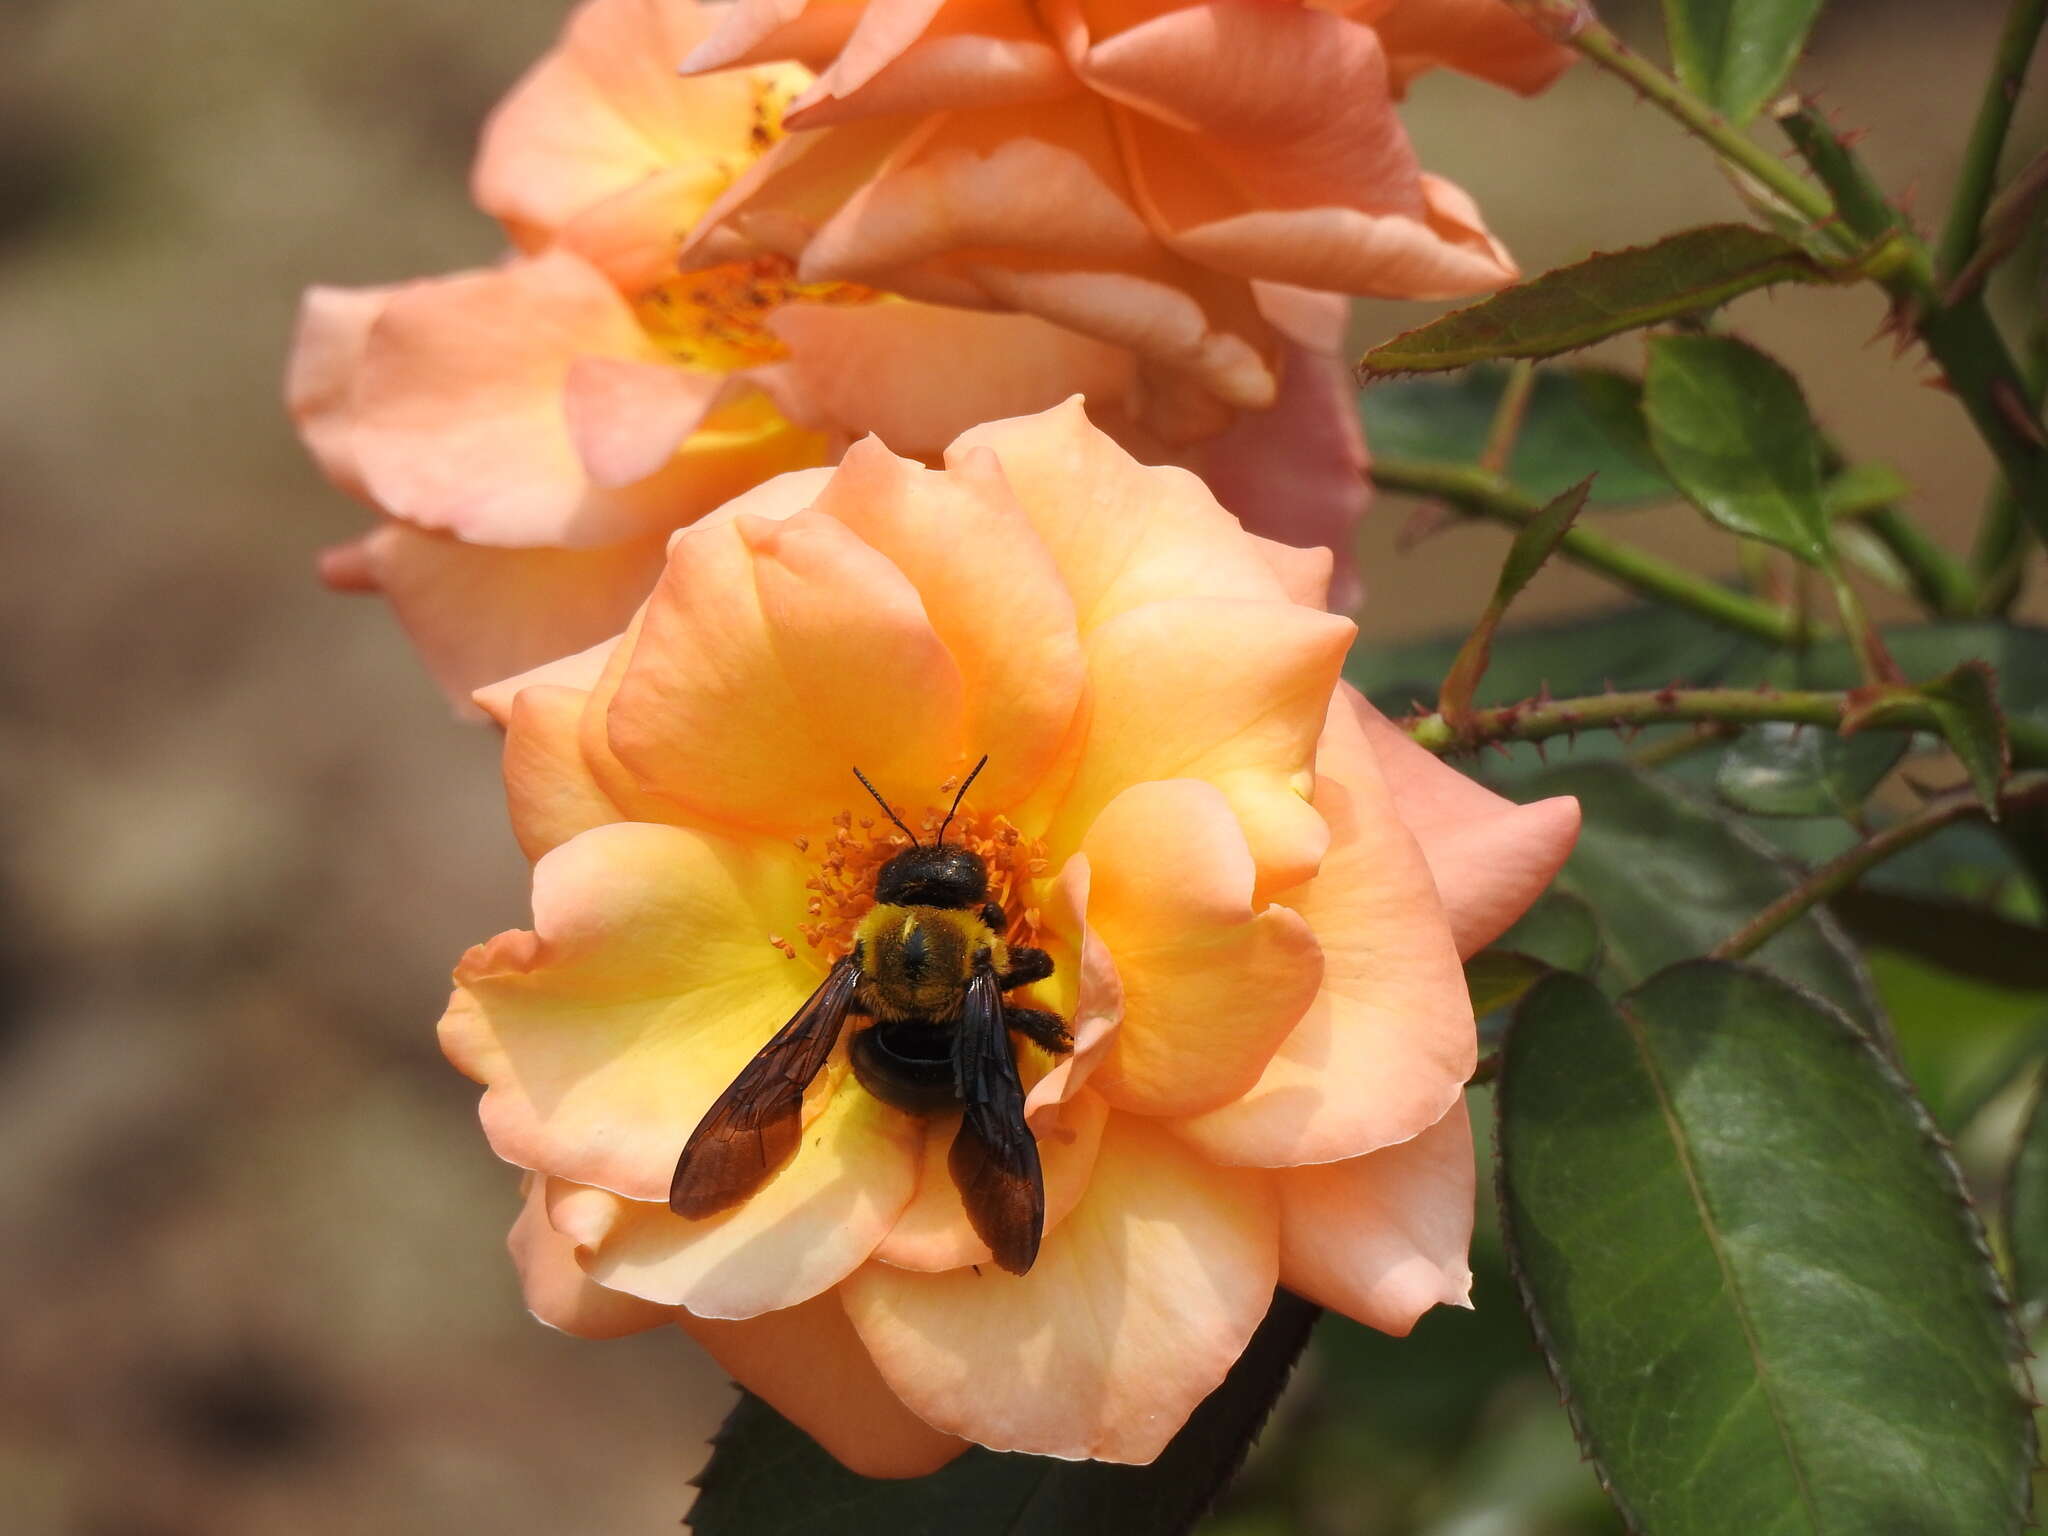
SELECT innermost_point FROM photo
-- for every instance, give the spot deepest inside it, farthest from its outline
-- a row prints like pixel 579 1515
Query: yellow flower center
pixel 849 858
pixel 717 318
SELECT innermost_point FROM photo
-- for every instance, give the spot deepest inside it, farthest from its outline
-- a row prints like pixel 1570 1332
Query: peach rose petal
pixel 1296 474
pixel 1481 38
pixel 648 981
pixel 551 793
pixel 808 1364
pixel 751 31
pixel 1386 1047
pixel 579 670
pixel 459 414
pixel 932 1234
pixel 327 356
pixel 959 70
pixel 1441 254
pixel 1136 1309
pixel 1211 985
pixel 1123 534
pixel 802 1233
pixel 1288 100
pixel 773 659
pixel 1229 692
pixel 628 418
pixel 1384 1237
pixel 868 368
pixel 1490 857
pixel 992 595
pixel 602 111
pixel 1044 179
pixel 633 236
pixel 1202 352
pixel 1084 989
pixel 557 1291
pixel 780 201
pixel 478 613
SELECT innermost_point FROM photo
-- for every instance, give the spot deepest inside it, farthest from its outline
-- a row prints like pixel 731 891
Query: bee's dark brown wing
pixel 995 1158
pixel 753 1127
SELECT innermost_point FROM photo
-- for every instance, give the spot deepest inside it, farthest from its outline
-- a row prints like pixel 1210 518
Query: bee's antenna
pixel 891 814
pixel 961 794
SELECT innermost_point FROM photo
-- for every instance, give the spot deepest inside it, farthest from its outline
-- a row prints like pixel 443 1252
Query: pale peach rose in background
pixel 1256 892
pixel 532 432
pixel 1137 172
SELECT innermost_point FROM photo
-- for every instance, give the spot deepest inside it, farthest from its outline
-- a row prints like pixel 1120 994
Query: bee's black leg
pixel 993 917
pixel 1042 1026
pixel 1026 966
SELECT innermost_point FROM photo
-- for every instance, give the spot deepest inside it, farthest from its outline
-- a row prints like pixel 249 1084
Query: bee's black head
pixel 934 875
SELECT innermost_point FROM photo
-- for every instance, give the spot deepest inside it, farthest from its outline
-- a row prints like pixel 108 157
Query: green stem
pixel 1872 656
pixel 2023 22
pixel 1939 580
pixel 1961 338
pixel 1844 870
pixel 1483 494
pixel 1974 360
pixel 1600 45
pixel 1543 719
pixel 1508 417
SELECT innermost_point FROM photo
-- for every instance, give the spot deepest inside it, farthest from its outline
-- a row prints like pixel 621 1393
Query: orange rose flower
pixel 533 432
pixel 1141 173
pixel 1254 891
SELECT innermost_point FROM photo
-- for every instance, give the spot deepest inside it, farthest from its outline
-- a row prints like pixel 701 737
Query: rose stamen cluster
pixel 851 856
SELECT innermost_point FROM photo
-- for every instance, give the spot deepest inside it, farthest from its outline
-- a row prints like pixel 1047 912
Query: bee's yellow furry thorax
pixel 915 961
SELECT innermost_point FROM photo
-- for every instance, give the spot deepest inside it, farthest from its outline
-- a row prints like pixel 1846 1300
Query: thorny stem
pixel 2023 22
pixel 1484 494
pixel 1508 417
pixel 1844 870
pixel 1961 339
pixel 1541 719
pixel 1938 579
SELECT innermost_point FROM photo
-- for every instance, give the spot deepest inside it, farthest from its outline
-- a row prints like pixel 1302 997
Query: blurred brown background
pixel 251 1267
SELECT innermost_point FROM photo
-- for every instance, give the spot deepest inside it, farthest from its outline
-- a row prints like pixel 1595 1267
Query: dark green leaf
pixel 1630 647
pixel 1753 1266
pixel 1965 705
pixel 2026 1211
pixel 1578 422
pixel 1535 542
pixel 1602 296
pixel 768 1478
pixel 1737 53
pixel 1863 488
pixel 1964 938
pixel 1733 431
pixel 1791 770
pixel 1668 877
pixel 1559 930
pixel 1959 1035
pixel 1497 978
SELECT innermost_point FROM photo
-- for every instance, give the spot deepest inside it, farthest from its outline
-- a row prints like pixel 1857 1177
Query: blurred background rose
pixel 251 1269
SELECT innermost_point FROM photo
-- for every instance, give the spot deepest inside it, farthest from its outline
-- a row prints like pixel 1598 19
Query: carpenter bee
pixel 927 972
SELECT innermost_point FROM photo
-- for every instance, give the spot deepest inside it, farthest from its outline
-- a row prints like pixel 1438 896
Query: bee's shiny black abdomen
pixel 907 1063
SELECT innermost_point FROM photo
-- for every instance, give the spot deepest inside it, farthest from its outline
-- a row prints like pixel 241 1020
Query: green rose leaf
pixel 1604 295
pixel 1753 1267
pixel 1578 422
pixel 1737 53
pixel 2026 1211
pixel 1668 877
pixel 1965 705
pixel 768 1478
pixel 1791 770
pixel 1732 429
